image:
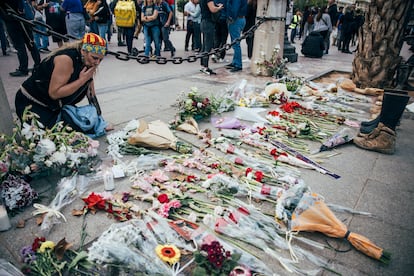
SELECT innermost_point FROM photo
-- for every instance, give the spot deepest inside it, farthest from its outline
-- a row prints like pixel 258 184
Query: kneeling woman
pixel 63 79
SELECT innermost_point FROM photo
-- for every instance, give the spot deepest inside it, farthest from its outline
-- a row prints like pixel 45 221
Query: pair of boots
pixel 379 134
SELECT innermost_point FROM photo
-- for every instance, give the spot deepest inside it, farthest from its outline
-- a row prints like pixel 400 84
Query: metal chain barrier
pixel 142 59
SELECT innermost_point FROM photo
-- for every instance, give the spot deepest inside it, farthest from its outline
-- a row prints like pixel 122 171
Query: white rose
pixel 58 157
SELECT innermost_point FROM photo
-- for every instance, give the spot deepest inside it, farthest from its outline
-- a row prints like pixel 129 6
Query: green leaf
pixel 199 271
pixel 79 257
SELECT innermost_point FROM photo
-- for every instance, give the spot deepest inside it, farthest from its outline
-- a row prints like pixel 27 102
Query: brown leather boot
pixel 381 139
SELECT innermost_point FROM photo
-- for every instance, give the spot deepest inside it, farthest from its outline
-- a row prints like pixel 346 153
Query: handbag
pixel 83 119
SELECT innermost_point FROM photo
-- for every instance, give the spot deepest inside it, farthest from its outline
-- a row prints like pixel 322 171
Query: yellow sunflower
pixel 168 253
pixel 46 245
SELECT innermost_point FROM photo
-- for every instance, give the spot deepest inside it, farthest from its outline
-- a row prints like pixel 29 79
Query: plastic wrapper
pixel 226 122
pixel 68 189
pixel 343 136
pixel 249 114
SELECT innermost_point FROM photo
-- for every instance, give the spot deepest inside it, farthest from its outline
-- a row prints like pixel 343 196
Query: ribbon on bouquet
pixel 303 158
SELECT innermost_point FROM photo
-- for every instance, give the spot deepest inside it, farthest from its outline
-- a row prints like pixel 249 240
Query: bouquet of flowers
pixel 17 193
pixel 34 149
pixel 275 66
pixel 302 210
pixel 44 257
pixel 194 105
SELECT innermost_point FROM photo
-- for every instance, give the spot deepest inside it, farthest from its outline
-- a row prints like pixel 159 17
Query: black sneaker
pixel 229 66
pixel 235 69
pixel 19 73
pixel 120 44
pixel 211 71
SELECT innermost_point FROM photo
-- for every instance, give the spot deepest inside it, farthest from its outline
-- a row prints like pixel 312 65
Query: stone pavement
pixel 370 182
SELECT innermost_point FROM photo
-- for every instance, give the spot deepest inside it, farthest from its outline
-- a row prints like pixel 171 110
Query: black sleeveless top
pixel 37 85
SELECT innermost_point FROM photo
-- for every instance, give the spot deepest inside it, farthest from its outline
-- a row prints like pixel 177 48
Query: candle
pixel 4 219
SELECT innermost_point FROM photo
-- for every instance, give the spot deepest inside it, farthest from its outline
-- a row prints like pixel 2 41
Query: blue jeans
pixel 41 41
pixel 166 37
pixel 152 34
pixel 235 31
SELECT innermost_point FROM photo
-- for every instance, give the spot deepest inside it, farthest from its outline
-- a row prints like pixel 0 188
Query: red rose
pixel 163 198
pixel 258 176
pixel 248 170
pixel 94 200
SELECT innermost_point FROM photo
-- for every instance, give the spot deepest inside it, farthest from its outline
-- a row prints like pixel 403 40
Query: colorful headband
pixel 93 43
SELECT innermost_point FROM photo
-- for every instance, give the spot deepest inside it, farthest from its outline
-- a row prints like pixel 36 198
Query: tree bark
pixel 380 40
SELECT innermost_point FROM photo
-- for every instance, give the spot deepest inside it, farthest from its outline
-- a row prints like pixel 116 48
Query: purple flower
pixel 27 254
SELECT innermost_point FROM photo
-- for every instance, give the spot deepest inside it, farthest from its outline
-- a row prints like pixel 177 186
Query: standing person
pixel 41 41
pixel 149 17
pixel 101 17
pixel 221 32
pixel 21 36
pixel 323 25
pixel 189 8
pixel 250 22
pixel 75 20
pixel 333 15
pixel 339 38
pixel 296 19
pixel 347 29
pixel 196 15
pixel 120 30
pixel 65 77
pixel 236 12
pixel 207 29
pixel 165 16
pixel 55 18
pixel 306 13
pixel 91 6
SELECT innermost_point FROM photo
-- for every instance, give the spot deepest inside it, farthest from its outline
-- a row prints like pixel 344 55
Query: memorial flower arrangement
pixel 213 259
pixel 32 149
pixel 275 66
pixel 194 105
pixel 44 257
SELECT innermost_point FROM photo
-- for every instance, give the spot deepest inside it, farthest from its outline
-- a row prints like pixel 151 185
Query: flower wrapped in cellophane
pixel 303 210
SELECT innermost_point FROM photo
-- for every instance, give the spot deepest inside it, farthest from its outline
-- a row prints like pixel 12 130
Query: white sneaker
pixel 221 60
pixel 214 58
pixel 205 71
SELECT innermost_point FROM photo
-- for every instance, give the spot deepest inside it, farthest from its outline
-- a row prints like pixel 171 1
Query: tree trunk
pixel 380 40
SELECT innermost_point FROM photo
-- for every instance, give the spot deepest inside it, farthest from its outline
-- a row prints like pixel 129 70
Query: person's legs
pixel 207 30
pixel 166 37
pixel 292 35
pixel 129 37
pixel 235 30
pixel 15 32
pixel 147 37
pixel 197 35
pixel 382 138
pixel 189 34
pixel 157 41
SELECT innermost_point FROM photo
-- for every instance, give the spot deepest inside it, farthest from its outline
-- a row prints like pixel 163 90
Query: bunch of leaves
pixel 213 259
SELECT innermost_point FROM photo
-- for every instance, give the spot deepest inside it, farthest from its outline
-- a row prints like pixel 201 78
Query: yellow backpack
pixel 125 13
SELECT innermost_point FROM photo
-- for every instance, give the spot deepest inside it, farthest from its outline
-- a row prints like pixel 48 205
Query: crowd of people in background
pixel 209 24
pixel 334 26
